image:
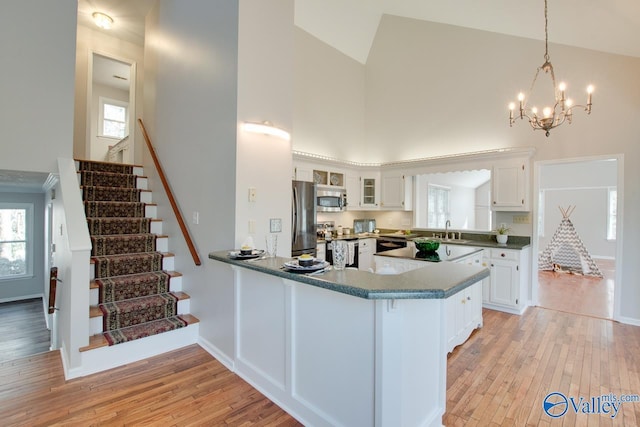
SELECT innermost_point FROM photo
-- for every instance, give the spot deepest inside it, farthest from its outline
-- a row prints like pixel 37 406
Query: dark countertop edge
pixel 390 254
pixel 355 290
pixel 491 244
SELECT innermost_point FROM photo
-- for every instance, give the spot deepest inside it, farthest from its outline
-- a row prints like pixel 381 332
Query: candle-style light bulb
pixel 512 106
pixel 534 110
pixel 546 112
pixel 562 87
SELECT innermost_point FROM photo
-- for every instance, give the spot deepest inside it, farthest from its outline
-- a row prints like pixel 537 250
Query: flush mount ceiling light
pixel 562 109
pixel 266 128
pixel 102 20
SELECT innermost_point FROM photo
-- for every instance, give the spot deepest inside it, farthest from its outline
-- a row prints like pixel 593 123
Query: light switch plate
pixel 275 225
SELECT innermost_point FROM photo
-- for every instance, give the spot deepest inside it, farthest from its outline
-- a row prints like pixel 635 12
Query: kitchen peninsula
pixel 347 347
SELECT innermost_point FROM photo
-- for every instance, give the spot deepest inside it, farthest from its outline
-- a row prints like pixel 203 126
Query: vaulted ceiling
pixel 350 25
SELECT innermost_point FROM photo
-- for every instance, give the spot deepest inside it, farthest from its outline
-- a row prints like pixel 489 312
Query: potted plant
pixel 502 233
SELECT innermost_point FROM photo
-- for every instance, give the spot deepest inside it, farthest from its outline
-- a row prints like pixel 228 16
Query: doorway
pixel 110 108
pixel 592 188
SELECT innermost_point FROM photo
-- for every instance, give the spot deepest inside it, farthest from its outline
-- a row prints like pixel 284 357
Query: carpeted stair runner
pixel 134 293
pixel 120 288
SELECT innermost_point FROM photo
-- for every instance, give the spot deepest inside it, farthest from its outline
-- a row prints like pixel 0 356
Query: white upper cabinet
pixel 510 187
pixel 353 191
pixel 397 191
pixel 370 190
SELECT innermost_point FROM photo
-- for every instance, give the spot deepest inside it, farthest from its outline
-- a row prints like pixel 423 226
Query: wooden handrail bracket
pixel 172 200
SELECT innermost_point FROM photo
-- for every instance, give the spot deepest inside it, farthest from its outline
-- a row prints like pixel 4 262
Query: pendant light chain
pixel 546 33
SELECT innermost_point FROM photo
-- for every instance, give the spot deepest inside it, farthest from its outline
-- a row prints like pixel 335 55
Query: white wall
pixel 435 89
pixel 265 93
pixel 329 99
pixel 36 105
pixel 88 41
pixel 585 186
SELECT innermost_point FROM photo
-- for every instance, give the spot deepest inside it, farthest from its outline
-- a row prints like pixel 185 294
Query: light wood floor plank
pixel 497 378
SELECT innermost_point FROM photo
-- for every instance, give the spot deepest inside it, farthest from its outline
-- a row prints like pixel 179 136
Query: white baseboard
pixel 22 297
pixel 217 353
pixel 628 320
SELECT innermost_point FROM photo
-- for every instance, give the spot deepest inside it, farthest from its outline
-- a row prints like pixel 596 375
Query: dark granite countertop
pixel 445 252
pixel 434 281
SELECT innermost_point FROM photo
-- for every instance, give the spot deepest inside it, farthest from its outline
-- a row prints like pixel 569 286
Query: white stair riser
pixel 162 244
pixel 167 265
pixel 103 358
pixel 95 324
pixel 151 211
pixel 175 285
pixel 141 183
pixel 145 197
pixel 156 227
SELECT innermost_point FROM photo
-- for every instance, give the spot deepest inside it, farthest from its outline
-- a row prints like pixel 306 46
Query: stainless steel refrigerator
pixel 303 218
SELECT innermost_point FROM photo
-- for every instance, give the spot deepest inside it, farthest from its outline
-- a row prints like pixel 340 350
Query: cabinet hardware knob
pixel 503 255
pixel 468 298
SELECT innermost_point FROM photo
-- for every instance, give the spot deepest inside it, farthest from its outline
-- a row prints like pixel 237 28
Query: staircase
pixel 134 293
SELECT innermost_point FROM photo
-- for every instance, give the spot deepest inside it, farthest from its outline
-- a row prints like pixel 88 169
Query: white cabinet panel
pixel 366 248
pixel 507 288
pixel 510 187
pixel 397 191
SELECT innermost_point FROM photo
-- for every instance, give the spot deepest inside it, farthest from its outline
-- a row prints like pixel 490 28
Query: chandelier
pixel 562 110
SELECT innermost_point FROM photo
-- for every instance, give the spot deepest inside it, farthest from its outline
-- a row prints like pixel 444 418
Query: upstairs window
pixel 16 230
pixel 113 118
pixel 437 206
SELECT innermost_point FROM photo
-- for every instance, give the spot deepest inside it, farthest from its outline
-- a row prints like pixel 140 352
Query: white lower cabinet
pixel 463 309
pixel 366 248
pixel 507 289
pixel 464 314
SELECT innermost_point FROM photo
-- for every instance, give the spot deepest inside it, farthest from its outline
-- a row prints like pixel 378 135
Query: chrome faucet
pixel 446 229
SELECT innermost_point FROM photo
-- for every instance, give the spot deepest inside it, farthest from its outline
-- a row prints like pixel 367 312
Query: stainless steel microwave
pixel 331 199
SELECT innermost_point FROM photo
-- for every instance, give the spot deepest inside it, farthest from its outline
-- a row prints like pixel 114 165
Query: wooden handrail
pixel 172 200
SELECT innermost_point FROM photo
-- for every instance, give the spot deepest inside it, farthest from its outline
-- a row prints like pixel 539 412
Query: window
pixel 16 225
pixel 113 118
pixel 437 206
pixel 611 214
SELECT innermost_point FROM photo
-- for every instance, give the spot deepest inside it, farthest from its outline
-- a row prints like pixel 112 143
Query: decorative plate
pixel 293 266
pixel 317 178
pixel 335 180
pixel 254 254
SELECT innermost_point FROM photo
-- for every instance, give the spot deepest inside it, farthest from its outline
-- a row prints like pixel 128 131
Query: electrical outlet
pixel 252 194
pixel 522 219
pixel 275 225
pixel 196 217
pixel 252 226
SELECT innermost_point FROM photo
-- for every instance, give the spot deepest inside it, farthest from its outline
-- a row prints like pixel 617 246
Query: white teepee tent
pixel 566 251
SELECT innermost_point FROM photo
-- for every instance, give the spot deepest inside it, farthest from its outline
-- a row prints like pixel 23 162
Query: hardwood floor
pixel 503 373
pixel 590 296
pixel 23 330
pixel 499 377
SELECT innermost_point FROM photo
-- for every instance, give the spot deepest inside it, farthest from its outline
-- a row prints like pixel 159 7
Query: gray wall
pixel 191 56
pixel 36 105
pixel 33 286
